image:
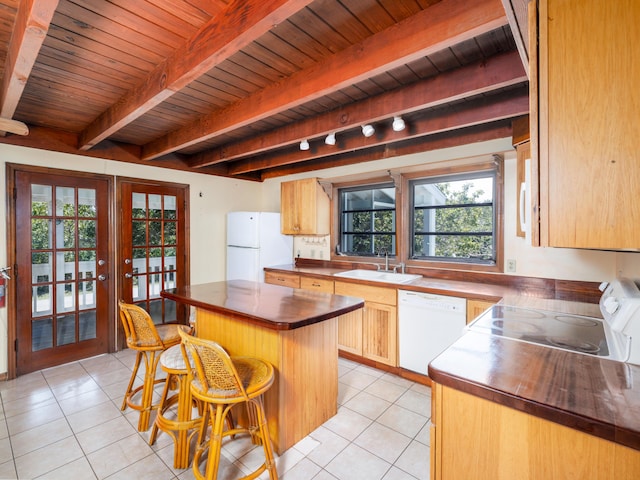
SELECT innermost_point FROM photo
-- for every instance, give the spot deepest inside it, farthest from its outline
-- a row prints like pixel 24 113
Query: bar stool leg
pixel 151 362
pixel 263 427
pixel 134 373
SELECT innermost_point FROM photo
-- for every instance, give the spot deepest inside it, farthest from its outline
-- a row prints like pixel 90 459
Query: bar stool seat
pixel 220 382
pixel 179 422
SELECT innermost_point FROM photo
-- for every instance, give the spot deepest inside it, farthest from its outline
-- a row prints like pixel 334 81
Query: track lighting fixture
pixel 368 130
pixel 331 139
pixel 398 124
pixel 304 145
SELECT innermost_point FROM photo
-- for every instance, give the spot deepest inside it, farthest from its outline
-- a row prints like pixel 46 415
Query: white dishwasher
pixel 427 324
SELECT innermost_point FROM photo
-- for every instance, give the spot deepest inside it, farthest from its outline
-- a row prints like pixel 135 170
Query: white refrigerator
pixel 254 242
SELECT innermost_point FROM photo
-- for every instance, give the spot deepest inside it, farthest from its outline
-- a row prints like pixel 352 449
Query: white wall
pixel 212 197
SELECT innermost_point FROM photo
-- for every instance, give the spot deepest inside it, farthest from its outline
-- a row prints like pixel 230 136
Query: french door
pixel 153 248
pixel 63 267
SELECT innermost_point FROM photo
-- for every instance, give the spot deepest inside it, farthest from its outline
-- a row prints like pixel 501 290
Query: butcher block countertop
pixel 597 396
pixel 265 305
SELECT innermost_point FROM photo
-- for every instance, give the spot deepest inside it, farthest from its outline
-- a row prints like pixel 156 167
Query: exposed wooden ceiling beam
pixel 454 138
pixel 497 72
pixel 485 109
pixel 29 31
pixel 446 23
pixel 242 22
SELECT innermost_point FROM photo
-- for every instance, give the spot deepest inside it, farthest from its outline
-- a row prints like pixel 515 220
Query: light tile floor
pixel 66 423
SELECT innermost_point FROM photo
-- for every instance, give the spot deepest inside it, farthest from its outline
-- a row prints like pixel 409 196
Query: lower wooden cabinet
pixel 350 333
pixel 380 333
pixel 475 439
pixel 375 335
pixel 476 307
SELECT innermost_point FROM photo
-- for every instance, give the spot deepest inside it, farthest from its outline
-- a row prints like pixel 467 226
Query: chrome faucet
pixel 386 260
pixel 401 265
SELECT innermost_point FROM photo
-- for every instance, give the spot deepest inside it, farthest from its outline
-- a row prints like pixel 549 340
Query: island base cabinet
pixel 305 392
pixel 476 439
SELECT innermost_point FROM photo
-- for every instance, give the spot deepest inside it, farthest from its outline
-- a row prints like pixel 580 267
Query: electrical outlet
pixel 511 266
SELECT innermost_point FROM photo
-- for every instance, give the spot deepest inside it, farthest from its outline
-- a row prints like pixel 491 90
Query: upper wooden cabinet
pixel 305 208
pixel 587 124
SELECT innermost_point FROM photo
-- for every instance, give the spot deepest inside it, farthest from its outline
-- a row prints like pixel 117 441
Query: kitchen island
pixel 295 330
pixel 506 409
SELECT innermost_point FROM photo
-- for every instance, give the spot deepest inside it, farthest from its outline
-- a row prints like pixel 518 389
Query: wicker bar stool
pixel 149 341
pixel 180 421
pixel 221 382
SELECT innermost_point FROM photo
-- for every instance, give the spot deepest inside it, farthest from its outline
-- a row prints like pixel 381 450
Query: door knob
pixel 128 275
pixel 102 277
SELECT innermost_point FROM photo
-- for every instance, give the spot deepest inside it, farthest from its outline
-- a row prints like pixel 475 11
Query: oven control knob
pixel 611 305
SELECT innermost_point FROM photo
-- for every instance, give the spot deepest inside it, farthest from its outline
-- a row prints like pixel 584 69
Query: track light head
pixel 304 145
pixel 398 124
pixel 368 130
pixel 331 139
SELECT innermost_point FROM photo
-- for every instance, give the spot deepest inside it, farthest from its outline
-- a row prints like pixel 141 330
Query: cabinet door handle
pixel 523 220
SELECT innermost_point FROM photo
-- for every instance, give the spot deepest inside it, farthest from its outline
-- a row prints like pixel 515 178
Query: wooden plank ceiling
pixel 231 88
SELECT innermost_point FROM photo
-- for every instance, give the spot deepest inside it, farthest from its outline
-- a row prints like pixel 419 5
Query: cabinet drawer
pixel 316 284
pixel 285 279
pixel 368 293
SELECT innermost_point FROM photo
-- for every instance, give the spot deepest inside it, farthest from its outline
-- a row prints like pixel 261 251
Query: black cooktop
pixel 559 330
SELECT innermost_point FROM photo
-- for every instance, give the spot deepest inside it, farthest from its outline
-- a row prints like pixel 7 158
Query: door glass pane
pixel 87 233
pixel 170 212
pixel 41 304
pixel 65 329
pixel 65 233
pixel 86 297
pixel 41 200
pixel 139 287
pixel 65 297
pixel 40 233
pixel 65 266
pixel 155 311
pixel 87 325
pixel 139 233
pixel 87 264
pixel 155 284
pixel 170 233
pixel 87 202
pixel 155 233
pixel 139 205
pixel 41 267
pixel 155 206
pixel 41 334
pixel 139 260
pixel 65 201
